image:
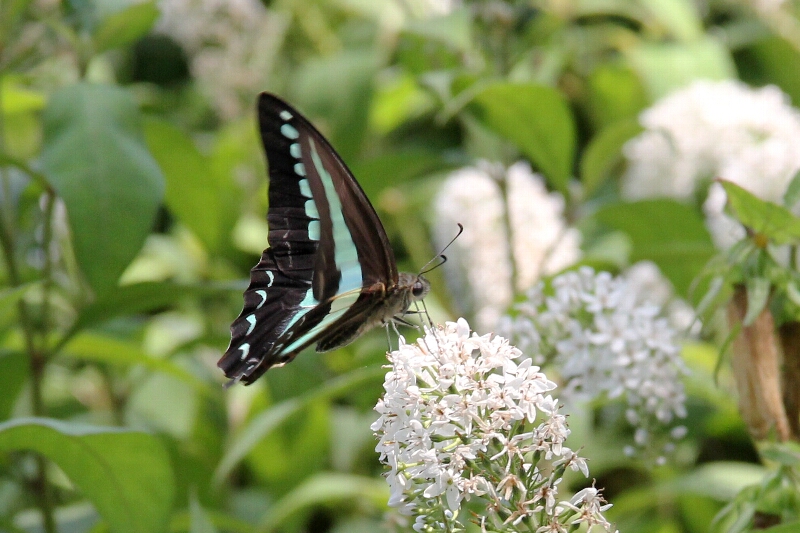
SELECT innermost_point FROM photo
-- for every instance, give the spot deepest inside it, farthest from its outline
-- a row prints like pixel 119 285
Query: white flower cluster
pixel 714 130
pixel 607 344
pixel 468 417
pixel 485 267
pixel 231 45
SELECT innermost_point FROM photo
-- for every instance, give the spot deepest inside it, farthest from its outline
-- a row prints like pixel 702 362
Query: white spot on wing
pixel 271 278
pixel 305 188
pixel 263 294
pixel 294 149
pixel 313 230
pixel 252 320
pixel 299 169
pixel 245 348
pixel 288 131
pixel 285 115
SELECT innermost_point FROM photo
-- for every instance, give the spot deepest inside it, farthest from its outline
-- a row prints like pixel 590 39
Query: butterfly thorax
pixel 394 302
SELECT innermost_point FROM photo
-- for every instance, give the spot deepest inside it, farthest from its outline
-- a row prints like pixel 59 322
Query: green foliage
pixel 132 208
pixel 96 160
pixel 537 120
pixel 126 474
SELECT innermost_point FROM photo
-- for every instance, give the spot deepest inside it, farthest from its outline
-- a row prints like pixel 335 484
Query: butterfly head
pixel 416 286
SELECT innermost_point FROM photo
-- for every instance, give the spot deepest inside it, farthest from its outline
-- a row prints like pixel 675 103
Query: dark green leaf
pixel 95 157
pixel 604 153
pixel 125 474
pixel 107 350
pixel 200 198
pixel 143 297
pixel 266 422
pixel 125 26
pixel 537 120
pixel 14 373
pixel 670 234
pixel 763 217
pixel 324 489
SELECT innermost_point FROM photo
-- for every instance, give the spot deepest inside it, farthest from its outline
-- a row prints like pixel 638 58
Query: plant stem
pixel 37 358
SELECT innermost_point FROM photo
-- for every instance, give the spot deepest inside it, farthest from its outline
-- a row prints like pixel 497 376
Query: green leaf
pixel 125 474
pixel 95 158
pixel 670 234
pixel 614 93
pixel 679 17
pixel 604 153
pixel 197 196
pixel 14 374
pixel 452 29
pixel 108 350
pixel 763 217
pixel 666 66
pixel 261 425
pixel 758 290
pixel 143 297
pixel 537 120
pixel 125 26
pixel 792 195
pixel 200 522
pixel 783 453
pixel 16 98
pixel 324 489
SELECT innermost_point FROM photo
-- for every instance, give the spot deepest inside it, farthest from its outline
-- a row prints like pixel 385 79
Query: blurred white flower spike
pixel 714 130
pixel 468 418
pixel 485 267
pixel 608 341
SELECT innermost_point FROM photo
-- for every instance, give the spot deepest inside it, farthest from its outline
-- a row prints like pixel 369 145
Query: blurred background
pixel 560 133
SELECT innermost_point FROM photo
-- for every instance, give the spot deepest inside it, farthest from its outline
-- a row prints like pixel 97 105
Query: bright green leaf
pixel 667 66
pixel 670 234
pixel 604 153
pixel 679 17
pixel 95 157
pixel 537 120
pixel 126 474
pixel 763 217
pixel 125 26
pixel 16 98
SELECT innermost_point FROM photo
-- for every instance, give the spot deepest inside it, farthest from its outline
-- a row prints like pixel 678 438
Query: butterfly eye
pixel 418 289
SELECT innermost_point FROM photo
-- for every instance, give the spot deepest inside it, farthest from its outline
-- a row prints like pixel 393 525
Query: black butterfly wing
pixel 327 249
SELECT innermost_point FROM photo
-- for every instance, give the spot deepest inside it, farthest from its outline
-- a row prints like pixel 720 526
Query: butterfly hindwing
pixel 327 251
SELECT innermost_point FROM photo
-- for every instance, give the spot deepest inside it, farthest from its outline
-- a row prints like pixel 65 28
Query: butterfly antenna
pixel 441 255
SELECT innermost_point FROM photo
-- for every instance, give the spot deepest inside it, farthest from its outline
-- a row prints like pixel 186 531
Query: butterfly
pixel 329 273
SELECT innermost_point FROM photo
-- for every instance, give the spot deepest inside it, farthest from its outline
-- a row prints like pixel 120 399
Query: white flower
pixel 488 200
pixel 714 130
pixel 493 432
pixel 608 341
pixel 231 46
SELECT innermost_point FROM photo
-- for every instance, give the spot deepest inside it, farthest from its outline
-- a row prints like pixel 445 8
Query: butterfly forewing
pixel 327 249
